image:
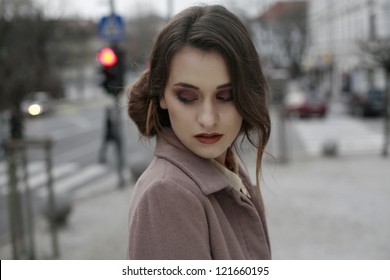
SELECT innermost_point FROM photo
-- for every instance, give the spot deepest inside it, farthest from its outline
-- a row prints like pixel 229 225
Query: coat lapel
pixel 169 147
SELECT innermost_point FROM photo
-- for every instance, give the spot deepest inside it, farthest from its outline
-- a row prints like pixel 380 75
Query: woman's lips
pixel 208 138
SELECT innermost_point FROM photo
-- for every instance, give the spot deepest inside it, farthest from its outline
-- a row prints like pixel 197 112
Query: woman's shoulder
pixel 164 176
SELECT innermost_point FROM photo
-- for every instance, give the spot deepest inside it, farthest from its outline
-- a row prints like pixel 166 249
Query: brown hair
pixel 207 28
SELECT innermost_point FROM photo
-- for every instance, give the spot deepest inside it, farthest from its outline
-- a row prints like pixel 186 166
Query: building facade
pixel 280 33
pixel 337 29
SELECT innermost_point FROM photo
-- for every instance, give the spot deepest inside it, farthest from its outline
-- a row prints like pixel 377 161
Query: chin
pixel 211 155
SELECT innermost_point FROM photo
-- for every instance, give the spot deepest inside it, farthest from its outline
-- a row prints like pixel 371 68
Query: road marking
pixel 75 180
pixel 68 132
pixel 82 122
pixel 32 167
pixel 352 136
pixel 40 179
pixel 78 152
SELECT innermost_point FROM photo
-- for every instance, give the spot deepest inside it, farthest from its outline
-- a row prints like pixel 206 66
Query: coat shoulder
pixel 162 172
pixel 165 212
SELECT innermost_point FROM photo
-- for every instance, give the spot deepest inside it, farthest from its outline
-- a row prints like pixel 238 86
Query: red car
pixel 302 104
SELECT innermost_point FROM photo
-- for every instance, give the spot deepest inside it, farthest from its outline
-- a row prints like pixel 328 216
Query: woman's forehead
pixel 196 67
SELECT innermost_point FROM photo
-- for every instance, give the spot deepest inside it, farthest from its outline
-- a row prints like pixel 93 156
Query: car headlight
pixel 34 109
pixel 295 99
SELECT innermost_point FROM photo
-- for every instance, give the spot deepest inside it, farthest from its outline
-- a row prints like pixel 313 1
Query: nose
pixel 208 115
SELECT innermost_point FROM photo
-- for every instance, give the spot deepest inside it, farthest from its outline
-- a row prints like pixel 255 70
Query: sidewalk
pixel 317 208
pixel 97 228
pixel 329 208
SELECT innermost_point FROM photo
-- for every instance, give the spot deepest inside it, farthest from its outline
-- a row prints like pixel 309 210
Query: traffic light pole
pixel 119 142
pixel 112 7
pixel 118 123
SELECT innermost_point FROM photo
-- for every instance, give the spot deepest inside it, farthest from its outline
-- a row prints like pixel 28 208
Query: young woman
pixel 204 89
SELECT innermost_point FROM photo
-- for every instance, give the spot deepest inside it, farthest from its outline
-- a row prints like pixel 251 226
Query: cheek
pixel 178 114
pixel 234 116
pixel 235 122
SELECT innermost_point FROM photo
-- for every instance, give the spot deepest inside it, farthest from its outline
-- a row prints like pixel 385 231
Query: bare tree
pixel 379 50
pixel 286 23
pixel 25 45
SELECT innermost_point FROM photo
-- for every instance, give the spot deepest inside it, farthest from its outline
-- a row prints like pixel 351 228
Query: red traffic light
pixel 107 57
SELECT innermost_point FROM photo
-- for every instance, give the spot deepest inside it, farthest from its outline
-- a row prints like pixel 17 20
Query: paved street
pixel 317 207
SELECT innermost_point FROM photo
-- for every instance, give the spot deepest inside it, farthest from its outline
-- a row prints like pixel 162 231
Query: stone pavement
pixel 317 208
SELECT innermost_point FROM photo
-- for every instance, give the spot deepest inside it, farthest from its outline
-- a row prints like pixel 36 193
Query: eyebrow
pixel 186 85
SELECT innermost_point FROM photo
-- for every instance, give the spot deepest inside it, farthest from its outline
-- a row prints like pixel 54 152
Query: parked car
pixel 370 103
pixel 305 104
pixel 36 104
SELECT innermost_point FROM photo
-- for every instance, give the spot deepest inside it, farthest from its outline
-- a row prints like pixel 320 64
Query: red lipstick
pixel 208 138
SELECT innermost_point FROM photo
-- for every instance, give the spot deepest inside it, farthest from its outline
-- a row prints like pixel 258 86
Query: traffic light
pixel 107 57
pixel 111 60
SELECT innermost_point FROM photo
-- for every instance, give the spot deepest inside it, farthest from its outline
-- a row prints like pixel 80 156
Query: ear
pixel 163 104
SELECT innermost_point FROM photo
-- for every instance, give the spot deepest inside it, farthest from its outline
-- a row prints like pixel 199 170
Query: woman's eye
pixel 225 95
pixel 186 97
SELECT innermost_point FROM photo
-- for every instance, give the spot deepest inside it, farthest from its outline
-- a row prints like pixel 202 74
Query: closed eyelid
pixel 187 92
pixel 225 93
pixel 186 96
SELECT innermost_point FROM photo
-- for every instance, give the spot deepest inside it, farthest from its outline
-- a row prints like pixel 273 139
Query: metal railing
pixel 21 213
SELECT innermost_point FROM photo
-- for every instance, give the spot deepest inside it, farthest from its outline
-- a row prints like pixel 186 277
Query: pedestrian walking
pixel 110 134
pixel 204 88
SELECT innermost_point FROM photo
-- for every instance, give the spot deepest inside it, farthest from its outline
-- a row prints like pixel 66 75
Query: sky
pixel 95 9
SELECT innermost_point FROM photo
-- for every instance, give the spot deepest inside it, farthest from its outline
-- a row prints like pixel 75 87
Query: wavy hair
pixel 208 28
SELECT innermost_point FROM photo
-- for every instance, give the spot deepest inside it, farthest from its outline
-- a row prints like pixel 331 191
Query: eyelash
pixel 230 98
pixel 186 100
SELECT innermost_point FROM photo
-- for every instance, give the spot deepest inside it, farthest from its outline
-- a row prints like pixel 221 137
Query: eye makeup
pixel 225 95
pixel 188 93
pixel 186 96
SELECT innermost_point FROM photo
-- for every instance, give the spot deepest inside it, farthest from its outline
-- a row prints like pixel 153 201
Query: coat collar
pixel 169 147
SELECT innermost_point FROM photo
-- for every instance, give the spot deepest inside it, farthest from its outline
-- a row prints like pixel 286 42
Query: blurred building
pixel 280 33
pixel 336 31
pixel 80 43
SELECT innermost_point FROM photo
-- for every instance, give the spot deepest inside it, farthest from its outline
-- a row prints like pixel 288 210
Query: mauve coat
pixel 182 207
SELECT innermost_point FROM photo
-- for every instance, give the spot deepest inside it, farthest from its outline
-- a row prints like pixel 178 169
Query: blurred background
pixel 69 155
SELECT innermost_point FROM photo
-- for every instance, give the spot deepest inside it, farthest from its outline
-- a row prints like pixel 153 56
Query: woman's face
pixel 199 100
